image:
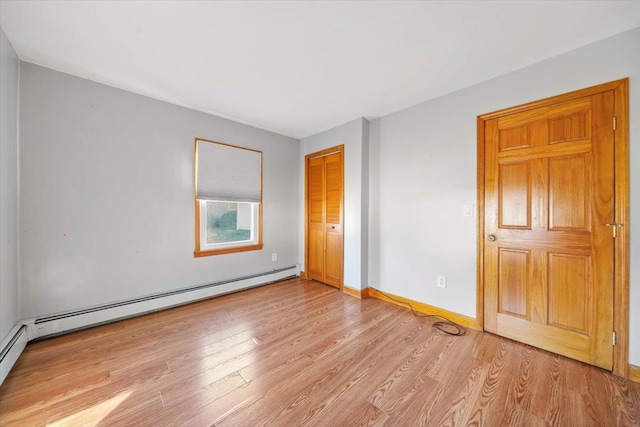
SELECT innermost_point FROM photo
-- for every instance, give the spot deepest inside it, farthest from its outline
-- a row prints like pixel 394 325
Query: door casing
pixel 621 194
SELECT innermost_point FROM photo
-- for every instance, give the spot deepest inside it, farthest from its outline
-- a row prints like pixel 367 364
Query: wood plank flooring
pixel 299 353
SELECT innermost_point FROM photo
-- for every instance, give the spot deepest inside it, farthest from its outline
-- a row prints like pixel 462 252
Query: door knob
pixel 491 237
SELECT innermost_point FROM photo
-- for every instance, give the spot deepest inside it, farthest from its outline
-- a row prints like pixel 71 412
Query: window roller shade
pixel 228 173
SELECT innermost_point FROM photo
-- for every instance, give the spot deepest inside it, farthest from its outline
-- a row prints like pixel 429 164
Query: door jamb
pixel 621 195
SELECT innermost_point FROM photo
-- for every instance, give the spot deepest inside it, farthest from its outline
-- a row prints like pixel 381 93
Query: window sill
pixel 212 252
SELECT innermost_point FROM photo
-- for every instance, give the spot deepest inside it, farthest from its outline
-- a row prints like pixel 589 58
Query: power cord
pixel 444 325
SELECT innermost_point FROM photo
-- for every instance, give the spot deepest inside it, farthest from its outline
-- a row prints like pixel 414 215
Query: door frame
pixel 321 153
pixel 621 194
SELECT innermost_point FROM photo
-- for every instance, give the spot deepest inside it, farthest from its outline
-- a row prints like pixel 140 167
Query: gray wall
pixel 423 171
pixel 9 83
pixel 106 206
pixel 354 135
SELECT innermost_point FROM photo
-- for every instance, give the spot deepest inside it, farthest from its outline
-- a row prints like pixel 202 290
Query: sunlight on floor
pixel 92 416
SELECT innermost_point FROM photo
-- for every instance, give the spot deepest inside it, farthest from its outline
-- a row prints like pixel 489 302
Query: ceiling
pixel 298 68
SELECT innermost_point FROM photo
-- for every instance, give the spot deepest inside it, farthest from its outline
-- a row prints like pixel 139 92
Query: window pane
pixel 228 222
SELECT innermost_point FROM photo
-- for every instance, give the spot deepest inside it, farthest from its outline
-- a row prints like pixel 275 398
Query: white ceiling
pixel 298 68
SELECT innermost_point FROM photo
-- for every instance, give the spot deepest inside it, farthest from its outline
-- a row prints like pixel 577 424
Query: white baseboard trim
pixel 61 323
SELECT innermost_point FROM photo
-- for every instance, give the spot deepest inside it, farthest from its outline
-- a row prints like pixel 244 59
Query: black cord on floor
pixel 444 325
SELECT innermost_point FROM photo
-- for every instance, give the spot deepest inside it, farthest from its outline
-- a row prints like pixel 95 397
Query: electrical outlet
pixel 442 281
pixel 274 256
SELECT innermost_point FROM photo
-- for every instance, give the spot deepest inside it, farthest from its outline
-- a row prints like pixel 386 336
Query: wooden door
pixel 548 251
pixel 324 216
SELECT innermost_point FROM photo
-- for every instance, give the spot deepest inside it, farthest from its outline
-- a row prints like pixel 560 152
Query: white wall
pixel 9 83
pixel 352 135
pixel 106 206
pixel 423 171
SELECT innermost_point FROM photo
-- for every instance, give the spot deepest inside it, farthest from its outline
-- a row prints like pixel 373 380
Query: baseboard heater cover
pixel 12 350
pixel 61 323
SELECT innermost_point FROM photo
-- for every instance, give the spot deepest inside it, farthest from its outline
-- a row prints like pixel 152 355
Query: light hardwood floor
pixel 302 353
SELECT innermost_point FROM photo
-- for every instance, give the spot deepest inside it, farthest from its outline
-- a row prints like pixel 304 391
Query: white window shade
pixel 228 173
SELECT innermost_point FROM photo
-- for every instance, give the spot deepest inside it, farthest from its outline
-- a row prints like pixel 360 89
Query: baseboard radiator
pixel 61 323
pixel 11 351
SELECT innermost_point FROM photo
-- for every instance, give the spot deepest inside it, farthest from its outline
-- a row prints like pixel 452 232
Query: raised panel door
pixel 549 186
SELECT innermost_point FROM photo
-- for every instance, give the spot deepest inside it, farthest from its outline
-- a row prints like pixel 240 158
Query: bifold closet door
pixel 324 213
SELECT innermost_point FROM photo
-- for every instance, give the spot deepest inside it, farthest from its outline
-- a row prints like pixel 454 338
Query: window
pixel 228 191
pixel 228 224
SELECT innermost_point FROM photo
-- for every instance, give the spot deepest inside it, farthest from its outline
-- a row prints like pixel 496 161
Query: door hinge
pixel 615 123
pixel 614 228
pixel 614 338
